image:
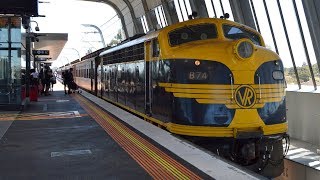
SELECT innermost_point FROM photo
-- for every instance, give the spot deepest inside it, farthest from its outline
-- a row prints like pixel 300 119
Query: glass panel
pixel 233 32
pixel 10 61
pixel 192 33
pixel 3 37
pixel 4 83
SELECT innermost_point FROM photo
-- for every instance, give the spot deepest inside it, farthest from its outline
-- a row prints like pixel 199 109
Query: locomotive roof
pixel 131 43
pixel 164 31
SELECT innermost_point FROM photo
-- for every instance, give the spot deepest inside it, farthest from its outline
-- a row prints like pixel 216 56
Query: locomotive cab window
pixel 232 32
pixel 192 33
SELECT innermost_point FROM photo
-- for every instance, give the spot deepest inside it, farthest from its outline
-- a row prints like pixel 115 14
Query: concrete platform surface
pixel 55 138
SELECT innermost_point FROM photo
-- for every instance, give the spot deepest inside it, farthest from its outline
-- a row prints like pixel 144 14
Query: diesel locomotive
pixel 208 79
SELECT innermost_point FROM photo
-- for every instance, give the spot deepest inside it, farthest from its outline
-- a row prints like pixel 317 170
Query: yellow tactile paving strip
pixel 158 164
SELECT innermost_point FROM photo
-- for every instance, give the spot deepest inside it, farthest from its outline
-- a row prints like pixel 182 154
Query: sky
pixel 66 16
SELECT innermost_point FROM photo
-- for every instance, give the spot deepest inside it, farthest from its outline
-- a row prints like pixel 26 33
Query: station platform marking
pixel 158 164
pixel 70 153
pixel 41 116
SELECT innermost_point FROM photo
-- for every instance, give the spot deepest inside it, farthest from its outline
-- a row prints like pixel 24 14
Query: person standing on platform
pixel 64 82
pixel 68 79
pixel 42 80
pixel 34 77
pixel 47 78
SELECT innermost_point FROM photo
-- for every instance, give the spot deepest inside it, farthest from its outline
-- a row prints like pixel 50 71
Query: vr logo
pixel 245 96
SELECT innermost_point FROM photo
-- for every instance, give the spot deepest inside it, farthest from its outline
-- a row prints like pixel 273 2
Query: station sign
pixel 40 52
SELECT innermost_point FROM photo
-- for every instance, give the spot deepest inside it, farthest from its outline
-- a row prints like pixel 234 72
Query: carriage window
pixel 192 33
pixel 232 32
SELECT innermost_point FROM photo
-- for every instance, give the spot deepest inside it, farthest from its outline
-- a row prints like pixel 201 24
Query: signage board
pixel 40 52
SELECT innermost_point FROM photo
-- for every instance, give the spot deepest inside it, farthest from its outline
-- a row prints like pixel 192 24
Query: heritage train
pixel 205 79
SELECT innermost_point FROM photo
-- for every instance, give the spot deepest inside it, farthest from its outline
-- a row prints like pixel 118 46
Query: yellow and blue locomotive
pixel 205 78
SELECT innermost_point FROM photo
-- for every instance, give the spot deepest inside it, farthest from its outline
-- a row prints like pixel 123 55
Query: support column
pixel 200 7
pixel 148 15
pixel 120 15
pixel 170 11
pixel 242 12
pixel 166 11
pixel 153 18
pixel 26 22
pixel 312 12
pixel 138 29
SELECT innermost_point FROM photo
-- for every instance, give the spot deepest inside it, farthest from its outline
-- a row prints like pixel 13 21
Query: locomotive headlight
pixel 277 75
pixel 244 49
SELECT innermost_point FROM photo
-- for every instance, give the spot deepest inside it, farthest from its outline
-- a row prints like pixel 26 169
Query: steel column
pixel 166 11
pixel 28 57
pixel 222 9
pixel 304 45
pixel 242 12
pixel 289 45
pixel 120 15
pixel 270 25
pixel 214 9
pixel 134 18
pixel 172 12
pixel 148 15
pixel 255 16
pixel 312 12
pixel 200 7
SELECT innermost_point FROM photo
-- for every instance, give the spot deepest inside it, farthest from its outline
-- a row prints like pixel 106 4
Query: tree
pixel 304 77
pixel 304 72
pixel 116 39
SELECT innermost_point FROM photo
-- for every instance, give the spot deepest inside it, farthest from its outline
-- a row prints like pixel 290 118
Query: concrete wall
pixel 303 113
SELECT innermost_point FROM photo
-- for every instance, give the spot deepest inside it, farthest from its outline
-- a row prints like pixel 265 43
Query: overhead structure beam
pixel 150 22
pixel 166 11
pixel 312 12
pixel 242 12
pixel 134 18
pixel 120 15
pixel 170 12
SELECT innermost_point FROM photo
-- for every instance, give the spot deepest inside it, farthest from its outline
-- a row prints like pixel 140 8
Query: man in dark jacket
pixel 69 79
pixel 48 75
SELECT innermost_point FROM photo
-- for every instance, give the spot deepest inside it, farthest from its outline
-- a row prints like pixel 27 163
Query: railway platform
pixel 80 136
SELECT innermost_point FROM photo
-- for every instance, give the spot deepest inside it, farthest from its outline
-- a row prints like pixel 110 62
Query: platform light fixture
pixel 37 27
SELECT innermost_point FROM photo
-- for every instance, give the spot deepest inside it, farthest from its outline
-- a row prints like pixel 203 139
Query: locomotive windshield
pixel 233 32
pixel 192 33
